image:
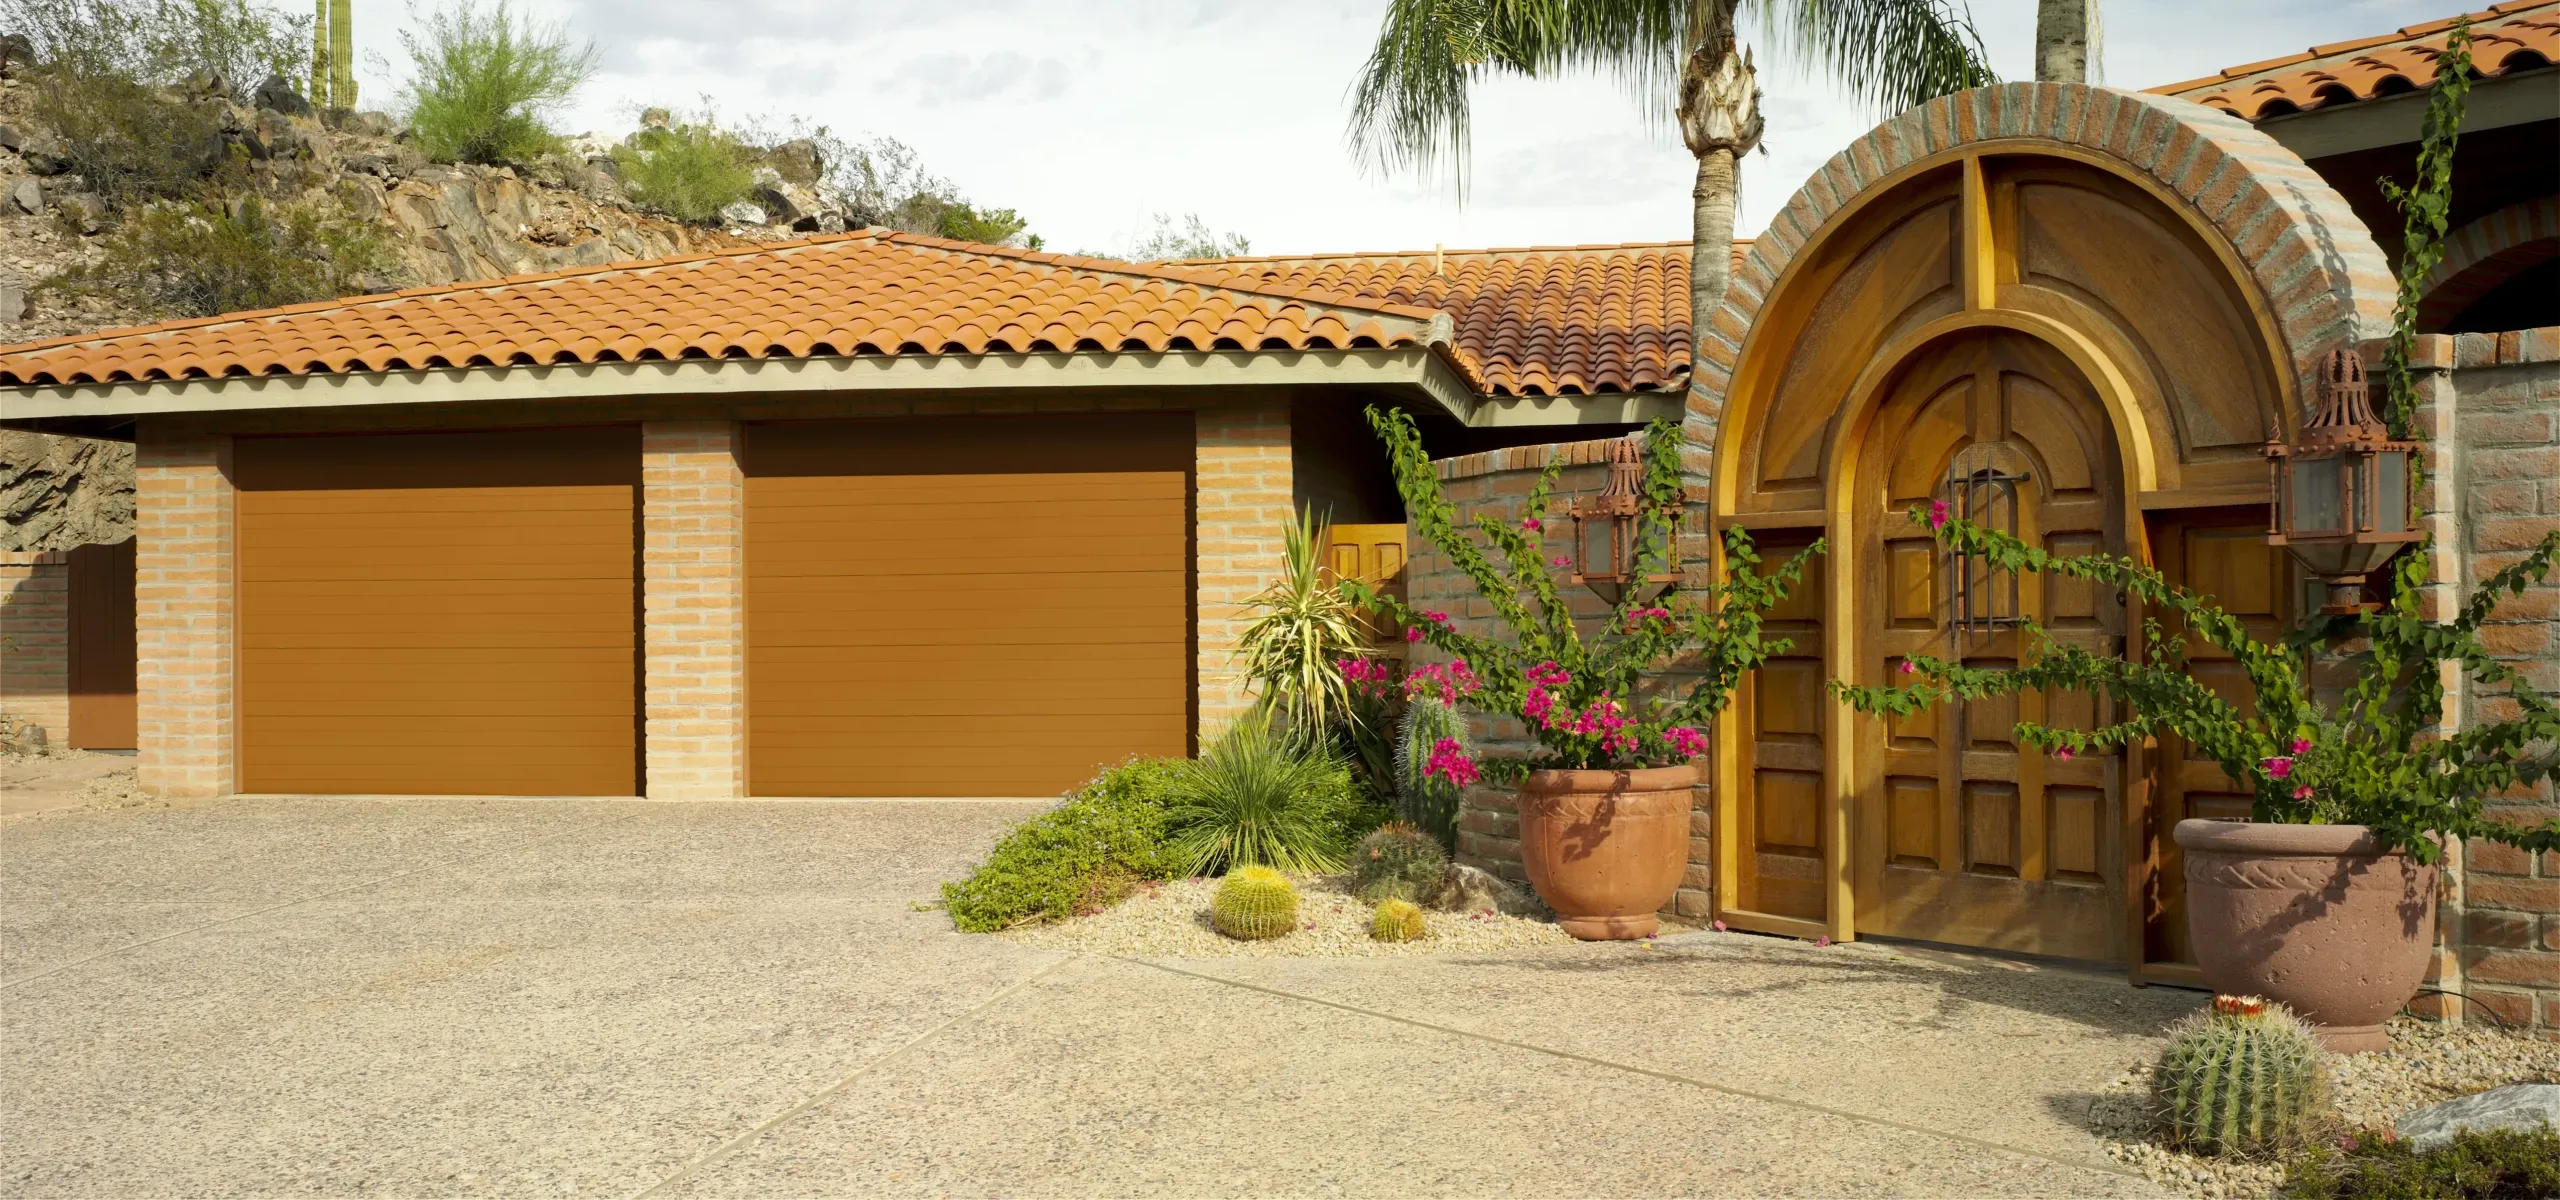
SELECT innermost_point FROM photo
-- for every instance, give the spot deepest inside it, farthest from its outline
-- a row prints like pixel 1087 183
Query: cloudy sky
pixel 1090 115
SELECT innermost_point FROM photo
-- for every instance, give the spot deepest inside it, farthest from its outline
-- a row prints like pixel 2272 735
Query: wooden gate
pixel 1374 554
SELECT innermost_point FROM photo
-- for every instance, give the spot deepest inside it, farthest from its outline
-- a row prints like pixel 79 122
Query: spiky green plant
pixel 1302 627
pixel 1255 798
pixel 1254 903
pixel 1398 921
pixel 1397 862
pixel 1428 800
pixel 2243 1077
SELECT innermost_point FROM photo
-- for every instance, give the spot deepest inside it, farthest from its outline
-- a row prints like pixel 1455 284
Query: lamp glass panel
pixel 2319 496
pixel 2391 491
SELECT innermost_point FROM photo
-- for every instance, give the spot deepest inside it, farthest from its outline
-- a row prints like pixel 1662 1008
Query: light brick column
pixel 184 638
pixel 35 642
pixel 694 610
pixel 1242 475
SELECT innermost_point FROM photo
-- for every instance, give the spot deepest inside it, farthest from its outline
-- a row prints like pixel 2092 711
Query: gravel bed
pixel 2428 1062
pixel 1171 920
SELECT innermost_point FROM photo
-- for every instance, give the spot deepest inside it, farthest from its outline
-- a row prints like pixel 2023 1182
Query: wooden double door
pixel 1958 833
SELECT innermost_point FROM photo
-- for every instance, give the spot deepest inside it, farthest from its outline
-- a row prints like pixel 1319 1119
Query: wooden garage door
pixel 431 613
pixel 985 606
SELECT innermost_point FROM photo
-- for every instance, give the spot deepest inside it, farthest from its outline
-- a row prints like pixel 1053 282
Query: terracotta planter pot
pixel 1606 849
pixel 2317 917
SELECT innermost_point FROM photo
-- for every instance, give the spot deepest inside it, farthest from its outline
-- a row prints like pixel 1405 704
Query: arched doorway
pixel 2071 312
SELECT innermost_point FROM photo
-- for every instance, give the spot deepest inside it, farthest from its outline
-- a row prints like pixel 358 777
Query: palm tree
pixel 2066 38
pixel 1680 58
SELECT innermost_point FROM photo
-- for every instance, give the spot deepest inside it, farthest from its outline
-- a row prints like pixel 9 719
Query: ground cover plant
pixel 688 171
pixel 203 257
pixel 2494 1164
pixel 1107 837
pixel 1606 699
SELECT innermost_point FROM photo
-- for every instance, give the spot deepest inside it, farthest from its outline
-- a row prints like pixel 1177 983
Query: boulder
pixel 784 203
pixel 741 212
pixel 44 155
pixel 16 303
pixel 2522 1106
pixel 277 95
pixel 28 196
pixel 1473 889
pixel 16 54
pixel 10 140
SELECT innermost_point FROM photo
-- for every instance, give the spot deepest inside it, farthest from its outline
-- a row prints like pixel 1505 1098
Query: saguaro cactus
pixel 333 53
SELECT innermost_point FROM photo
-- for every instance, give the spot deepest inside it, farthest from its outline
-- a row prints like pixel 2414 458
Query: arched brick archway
pixel 2488 252
pixel 2106 301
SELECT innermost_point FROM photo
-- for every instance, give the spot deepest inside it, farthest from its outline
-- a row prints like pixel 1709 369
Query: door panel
pixel 1780 709
pixel 103 714
pixel 2224 554
pixel 1964 837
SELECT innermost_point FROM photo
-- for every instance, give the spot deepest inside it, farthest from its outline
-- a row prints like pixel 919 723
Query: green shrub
pixel 1254 903
pixel 483 83
pixel 1081 855
pixel 1398 921
pixel 2243 1077
pixel 2495 1164
pixel 1255 798
pixel 162 42
pixel 208 257
pixel 1397 861
pixel 132 142
pixel 688 172
pixel 1428 800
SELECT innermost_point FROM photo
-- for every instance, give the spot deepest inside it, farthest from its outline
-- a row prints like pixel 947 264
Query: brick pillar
pixel 694 614
pixel 35 643
pixel 183 606
pixel 1243 477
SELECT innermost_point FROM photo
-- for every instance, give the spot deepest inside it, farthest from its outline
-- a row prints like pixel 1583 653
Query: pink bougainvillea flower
pixel 2279 767
pixel 1822 941
pixel 1450 762
pixel 1909 669
pixel 2063 753
pixel 2303 792
pixel 2302 745
pixel 1685 741
pixel 1937 514
pixel 1719 927
pixel 1558 561
pixel 1530 523
pixel 1414 634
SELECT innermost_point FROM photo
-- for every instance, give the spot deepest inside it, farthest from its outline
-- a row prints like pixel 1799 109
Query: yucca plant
pixel 1254 798
pixel 1302 627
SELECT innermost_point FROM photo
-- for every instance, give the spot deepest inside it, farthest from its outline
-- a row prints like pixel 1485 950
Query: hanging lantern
pixel 2341 499
pixel 1608 530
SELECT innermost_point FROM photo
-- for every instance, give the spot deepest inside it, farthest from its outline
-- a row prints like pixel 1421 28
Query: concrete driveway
pixel 474 996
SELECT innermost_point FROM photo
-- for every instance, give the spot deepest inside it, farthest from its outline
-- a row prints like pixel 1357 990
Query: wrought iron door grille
pixel 1981 597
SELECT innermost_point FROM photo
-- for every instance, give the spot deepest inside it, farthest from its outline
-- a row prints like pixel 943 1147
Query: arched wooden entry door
pixel 1958 836
pixel 2103 301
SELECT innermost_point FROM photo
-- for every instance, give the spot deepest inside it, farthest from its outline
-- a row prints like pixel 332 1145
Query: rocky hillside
pixel 444 222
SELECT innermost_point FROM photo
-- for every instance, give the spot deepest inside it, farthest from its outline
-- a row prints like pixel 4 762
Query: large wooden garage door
pixel 984 606
pixel 431 613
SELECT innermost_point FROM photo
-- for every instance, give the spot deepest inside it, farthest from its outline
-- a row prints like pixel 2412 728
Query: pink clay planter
pixel 1606 849
pixel 2317 917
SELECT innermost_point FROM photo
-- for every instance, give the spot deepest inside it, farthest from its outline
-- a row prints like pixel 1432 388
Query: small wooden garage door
pixel 981 606
pixel 439 613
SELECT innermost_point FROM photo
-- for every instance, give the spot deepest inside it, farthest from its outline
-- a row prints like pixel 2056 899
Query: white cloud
pixel 1090 115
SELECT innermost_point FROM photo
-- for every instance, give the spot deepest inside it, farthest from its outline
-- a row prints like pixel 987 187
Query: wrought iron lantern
pixel 2341 494
pixel 1608 530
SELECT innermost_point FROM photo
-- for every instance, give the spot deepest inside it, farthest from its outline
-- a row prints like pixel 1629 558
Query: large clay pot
pixel 2317 917
pixel 1606 849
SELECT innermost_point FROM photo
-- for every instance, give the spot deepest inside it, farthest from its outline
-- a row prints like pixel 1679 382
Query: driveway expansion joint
pixel 1649 1072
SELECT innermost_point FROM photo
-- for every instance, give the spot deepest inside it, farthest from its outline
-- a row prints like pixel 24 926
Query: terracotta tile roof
pixel 1535 321
pixel 867 293
pixel 2508 37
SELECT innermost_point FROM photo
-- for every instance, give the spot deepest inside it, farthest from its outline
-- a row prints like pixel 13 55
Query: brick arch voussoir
pixel 2310 260
pixel 2485 253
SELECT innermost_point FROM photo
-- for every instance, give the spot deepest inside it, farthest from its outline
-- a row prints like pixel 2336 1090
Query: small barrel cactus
pixel 1397 861
pixel 1254 903
pixel 1429 801
pixel 1398 921
pixel 2245 1077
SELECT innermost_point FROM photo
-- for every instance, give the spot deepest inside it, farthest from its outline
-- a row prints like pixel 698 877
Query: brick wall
pixel 35 642
pixel 693 601
pixel 1496 483
pixel 2494 419
pixel 183 632
pixel 1243 481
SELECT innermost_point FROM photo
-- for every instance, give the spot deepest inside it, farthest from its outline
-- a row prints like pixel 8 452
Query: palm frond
pixel 1891 53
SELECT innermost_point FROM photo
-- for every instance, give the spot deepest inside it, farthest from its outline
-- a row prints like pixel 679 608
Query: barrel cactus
pixel 1397 861
pixel 1254 903
pixel 2244 1077
pixel 1426 800
pixel 1397 921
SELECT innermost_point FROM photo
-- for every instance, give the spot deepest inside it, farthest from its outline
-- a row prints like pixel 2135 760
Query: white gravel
pixel 1171 920
pixel 2428 1062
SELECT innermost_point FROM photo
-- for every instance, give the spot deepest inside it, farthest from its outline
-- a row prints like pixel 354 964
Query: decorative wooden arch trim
pixel 2309 261
pixel 2488 252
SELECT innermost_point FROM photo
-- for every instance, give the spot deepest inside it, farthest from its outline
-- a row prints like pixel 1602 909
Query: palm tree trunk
pixel 1711 244
pixel 2062 40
